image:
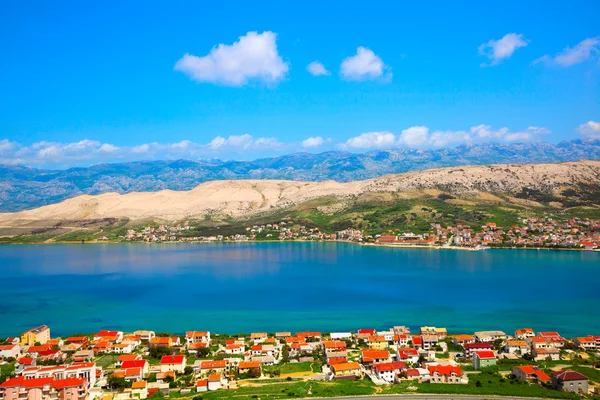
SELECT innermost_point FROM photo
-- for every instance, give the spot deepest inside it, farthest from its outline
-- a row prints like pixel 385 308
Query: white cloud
pixel 586 49
pixel 312 142
pixel 369 140
pixel 108 148
pixel 498 50
pixel 364 65
pixel 253 58
pixel 590 129
pixel 415 136
pixel 317 69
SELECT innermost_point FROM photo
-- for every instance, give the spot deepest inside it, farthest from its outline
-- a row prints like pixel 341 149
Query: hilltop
pixel 411 200
pixel 24 188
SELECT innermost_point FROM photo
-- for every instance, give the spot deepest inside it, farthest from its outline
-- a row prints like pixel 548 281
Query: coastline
pixel 398 245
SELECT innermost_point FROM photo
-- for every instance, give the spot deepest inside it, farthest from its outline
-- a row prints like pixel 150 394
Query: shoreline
pixel 399 245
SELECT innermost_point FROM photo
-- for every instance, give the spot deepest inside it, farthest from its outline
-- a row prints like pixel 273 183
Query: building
pixel 139 390
pixel 40 334
pixel 484 359
pixel 441 333
pixel 444 374
pixel 388 371
pixel 570 381
pixel 542 354
pixel 197 337
pixel 530 373
pixel 473 347
pixel 514 346
pixel 44 388
pixel 145 335
pixel 172 363
pixel 10 350
pixel 372 356
pixel 209 366
pixel 214 382
pixel 586 343
pixel 524 333
pixel 248 366
pixel 348 370
pixel 489 336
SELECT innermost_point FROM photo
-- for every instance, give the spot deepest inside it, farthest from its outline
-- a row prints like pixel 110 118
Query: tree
pixel 478 384
pixel 118 383
pixel 203 352
pixel 188 370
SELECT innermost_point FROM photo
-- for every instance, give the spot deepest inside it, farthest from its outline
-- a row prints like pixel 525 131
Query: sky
pixel 89 82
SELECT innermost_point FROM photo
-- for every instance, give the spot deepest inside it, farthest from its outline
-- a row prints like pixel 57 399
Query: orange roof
pixel 179 359
pixel 523 331
pixel 202 382
pixel 391 366
pixel 538 339
pixel 196 333
pixel 138 385
pixel 334 344
pixel 214 377
pixel 294 339
pixel 308 334
pixel 249 364
pixel 520 343
pixel 533 370
pixel 464 338
pixel 370 353
pixel 161 340
pixel 128 357
pixel 213 364
pixel 349 366
pixel 586 339
pixel 376 339
pixel 445 369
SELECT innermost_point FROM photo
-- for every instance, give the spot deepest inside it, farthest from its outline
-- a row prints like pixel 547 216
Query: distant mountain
pixel 25 188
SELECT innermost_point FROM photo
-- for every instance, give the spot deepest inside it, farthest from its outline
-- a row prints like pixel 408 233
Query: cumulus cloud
pixel 585 50
pixel 313 142
pixel 498 50
pixel 317 69
pixel 590 129
pixel 369 140
pixel 365 65
pixel 420 137
pixel 253 58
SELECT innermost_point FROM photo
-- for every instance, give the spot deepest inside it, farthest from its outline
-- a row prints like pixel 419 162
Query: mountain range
pixel 23 188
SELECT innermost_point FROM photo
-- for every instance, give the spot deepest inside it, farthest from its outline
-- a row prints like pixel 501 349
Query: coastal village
pixel 535 232
pixel 116 365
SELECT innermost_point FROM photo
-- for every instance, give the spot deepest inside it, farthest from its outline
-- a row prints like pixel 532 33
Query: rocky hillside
pixel 244 198
pixel 26 188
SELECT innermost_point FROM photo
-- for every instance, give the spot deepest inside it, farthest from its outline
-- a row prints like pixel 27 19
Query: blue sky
pixel 84 83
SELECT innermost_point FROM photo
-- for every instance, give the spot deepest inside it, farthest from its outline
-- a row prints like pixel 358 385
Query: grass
pixel 107 360
pixel 292 368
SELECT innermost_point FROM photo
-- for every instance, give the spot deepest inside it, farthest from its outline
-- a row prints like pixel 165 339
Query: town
pixel 116 365
pixel 534 232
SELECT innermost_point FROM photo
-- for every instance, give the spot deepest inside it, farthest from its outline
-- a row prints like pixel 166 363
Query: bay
pixel 245 287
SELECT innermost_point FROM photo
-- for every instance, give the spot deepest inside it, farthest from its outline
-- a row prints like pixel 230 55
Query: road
pixel 431 397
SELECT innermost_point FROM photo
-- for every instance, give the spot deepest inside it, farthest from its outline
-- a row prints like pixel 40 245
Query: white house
pixel 10 350
pixel 340 335
pixel 172 363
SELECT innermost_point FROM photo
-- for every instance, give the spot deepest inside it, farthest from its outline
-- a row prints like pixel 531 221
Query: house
pixel 247 366
pixel 372 356
pixel 133 340
pixel 258 337
pixel 264 360
pixel 164 341
pixel 408 354
pixel 35 350
pixel 401 339
pixel 388 371
pixel 122 348
pixel 570 381
pixel 586 343
pixel 127 357
pixel 524 333
pixel 336 357
pixel 10 351
pixel 142 364
pixel 334 345
pixel 461 340
pixel 514 346
pixel 84 341
pixel 473 347
pixel 235 349
pixel 417 342
pixel 429 341
pixel 538 342
pixel 40 334
pixel 38 388
pixel 111 336
pixel 172 363
pixel 348 370
pixel 484 359
pixel 418 374
pixel 489 336
pixel 530 373
pixel 202 385
pixel 441 333
pixel 340 335
pixel 214 382
pixel 145 335
pixel 377 342
pixel 84 355
pixel 283 335
pixel 444 374
pixel 262 350
pixel 554 338
pixel 139 390
pixel 309 335
pixel 217 366
pixel 197 337
pixel 13 340
pixel 541 354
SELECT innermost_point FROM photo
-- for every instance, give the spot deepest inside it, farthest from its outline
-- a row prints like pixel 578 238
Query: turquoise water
pixel 294 286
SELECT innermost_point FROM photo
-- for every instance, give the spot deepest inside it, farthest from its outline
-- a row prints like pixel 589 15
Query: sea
pixel 328 287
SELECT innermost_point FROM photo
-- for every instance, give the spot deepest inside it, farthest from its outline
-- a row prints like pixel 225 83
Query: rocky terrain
pixel 244 198
pixel 27 188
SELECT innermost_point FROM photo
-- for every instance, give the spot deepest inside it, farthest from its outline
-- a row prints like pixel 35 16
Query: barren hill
pixel 242 198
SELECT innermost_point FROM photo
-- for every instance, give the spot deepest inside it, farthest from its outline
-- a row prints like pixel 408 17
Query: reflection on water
pixel 284 286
